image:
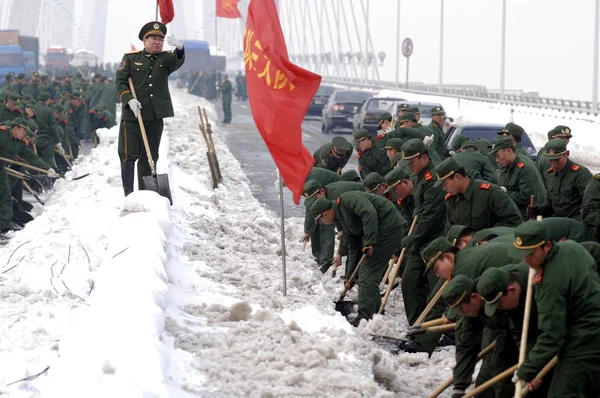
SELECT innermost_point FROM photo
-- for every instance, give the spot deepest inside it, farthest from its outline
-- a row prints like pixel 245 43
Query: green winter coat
pixel 324 158
pixel 332 192
pixel 373 159
pixel 479 164
pixel 565 191
pixel 590 206
pixel 429 208
pixel 48 128
pixel 6 115
pixel 10 148
pixel 439 142
pixel 483 205
pixel 521 181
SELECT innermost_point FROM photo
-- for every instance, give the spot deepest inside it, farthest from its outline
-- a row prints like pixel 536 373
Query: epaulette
pixel 359 154
pixel 539 277
pixel 575 167
pixel 379 136
pixel 428 176
pixel 105 118
pixel 133 52
pixel 448 196
pixel 3 127
pixel 549 170
pixel 520 165
pixel 597 176
pixel 338 201
pixel 399 202
pixel 485 186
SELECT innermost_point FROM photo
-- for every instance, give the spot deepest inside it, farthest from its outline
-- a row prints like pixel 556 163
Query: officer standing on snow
pixel 149 70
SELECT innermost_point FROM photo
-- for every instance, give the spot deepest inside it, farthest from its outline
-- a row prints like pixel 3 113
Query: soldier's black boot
pixel 127 176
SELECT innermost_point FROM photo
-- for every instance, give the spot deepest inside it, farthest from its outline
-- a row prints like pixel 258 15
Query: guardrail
pixel 477 93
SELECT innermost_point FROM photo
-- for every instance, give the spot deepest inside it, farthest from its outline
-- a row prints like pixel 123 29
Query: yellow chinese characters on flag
pixel 256 61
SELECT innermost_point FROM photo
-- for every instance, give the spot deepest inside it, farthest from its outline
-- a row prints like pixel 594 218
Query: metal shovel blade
pixel 344 307
pixel 158 183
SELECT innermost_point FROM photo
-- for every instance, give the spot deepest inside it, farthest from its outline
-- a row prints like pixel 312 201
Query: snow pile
pixel 114 344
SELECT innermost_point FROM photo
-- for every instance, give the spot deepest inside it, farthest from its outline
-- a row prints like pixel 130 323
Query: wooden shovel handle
pixel 542 373
pixel 353 276
pixel 24 165
pixel 507 373
pixel 143 130
pixel 433 302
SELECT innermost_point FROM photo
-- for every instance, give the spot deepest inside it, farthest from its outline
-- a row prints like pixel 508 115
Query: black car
pixel 319 100
pixel 484 130
pixel 424 109
pixel 366 118
pixel 341 108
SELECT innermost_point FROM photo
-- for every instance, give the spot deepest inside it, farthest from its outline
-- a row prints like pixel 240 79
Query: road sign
pixel 407 47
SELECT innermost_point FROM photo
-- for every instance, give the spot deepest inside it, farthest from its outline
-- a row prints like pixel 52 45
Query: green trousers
pixel 322 242
pixel 131 145
pixel 6 209
pixel 576 378
pixel 45 149
pixel 416 286
pixel 226 109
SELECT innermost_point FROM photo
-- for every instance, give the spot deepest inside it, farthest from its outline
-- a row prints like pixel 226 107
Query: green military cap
pixel 317 208
pixel 408 116
pixel 44 96
pixel 446 169
pixel 455 232
pixel 560 131
pixel 469 144
pixel 152 28
pixel 76 95
pixel 350 175
pixel 528 236
pixel 512 129
pixel 338 142
pixel 487 234
pixel 413 109
pixel 502 142
pixel 102 106
pixel 372 181
pixel 403 107
pixel 395 159
pixel 21 76
pixel 394 143
pixel 457 291
pixel 19 122
pixel 58 108
pixel 33 125
pixel 14 97
pixel 459 139
pixel 361 135
pixel 437 110
pixel 44 76
pixel 491 286
pixel 394 178
pixel 383 117
pixel 484 145
pixel 311 188
pixel 434 250
pixel 27 97
pixel 555 148
pixel 35 74
pixel 29 104
pixel 412 149
pixel 69 75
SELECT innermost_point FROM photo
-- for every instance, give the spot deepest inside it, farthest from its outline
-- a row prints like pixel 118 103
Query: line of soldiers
pixel 468 206
pixel 42 123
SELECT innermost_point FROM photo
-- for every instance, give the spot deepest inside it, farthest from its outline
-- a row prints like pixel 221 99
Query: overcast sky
pixel 549 43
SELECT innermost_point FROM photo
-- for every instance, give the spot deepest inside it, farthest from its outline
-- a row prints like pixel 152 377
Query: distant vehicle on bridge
pixel 366 118
pixel 18 54
pixel 84 60
pixel 339 111
pixel 319 100
pixel 57 58
pixel 424 111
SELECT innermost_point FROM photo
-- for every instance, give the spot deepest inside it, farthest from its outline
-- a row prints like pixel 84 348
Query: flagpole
pixel 216 19
pixel 156 15
pixel 284 279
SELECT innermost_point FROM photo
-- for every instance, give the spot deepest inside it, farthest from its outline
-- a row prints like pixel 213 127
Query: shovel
pixel 157 183
pixel 345 307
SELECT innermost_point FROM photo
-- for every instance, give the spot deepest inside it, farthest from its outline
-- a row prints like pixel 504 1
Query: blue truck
pixel 18 54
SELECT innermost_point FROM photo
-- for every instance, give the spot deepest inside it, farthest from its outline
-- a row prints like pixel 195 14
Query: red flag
pixel 167 12
pixel 228 9
pixel 279 93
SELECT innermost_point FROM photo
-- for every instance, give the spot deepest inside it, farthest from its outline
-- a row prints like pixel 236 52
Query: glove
pixel 368 250
pixel 457 392
pixel 452 153
pixel 53 174
pixel 175 42
pixel 407 241
pixel 387 130
pixel 60 148
pixel 532 212
pixel 428 140
pixel 503 188
pixel 135 106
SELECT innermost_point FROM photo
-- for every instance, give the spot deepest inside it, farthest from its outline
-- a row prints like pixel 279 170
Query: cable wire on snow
pixel 11 256
pixel 29 378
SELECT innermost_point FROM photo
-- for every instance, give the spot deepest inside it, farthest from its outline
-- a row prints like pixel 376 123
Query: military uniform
pixel 430 211
pixel 565 188
pixel 8 115
pixel 367 220
pixel 226 92
pixel 590 207
pixel 560 131
pixel 482 205
pixel 516 131
pixel 350 175
pixel 479 165
pixel 325 158
pixel 520 179
pixel 150 74
pixel 48 134
pixel 406 205
pixel 567 299
pixel 439 142
pixel 371 159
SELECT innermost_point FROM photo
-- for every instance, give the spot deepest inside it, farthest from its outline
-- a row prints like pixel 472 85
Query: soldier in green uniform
pixel 370 157
pixel 48 137
pixel 474 203
pixel 102 119
pixel 438 115
pixel 19 84
pixel 10 110
pixel 567 299
pixel 226 92
pixel 477 165
pixel 393 146
pixel 149 70
pixel 350 175
pixel 457 142
pixel 333 156
pixel 33 88
pixel 371 226
pixel 590 207
pixel 566 180
pixel 515 132
pixel 399 190
pixel 519 179
pixel 560 131
pixel 11 146
pixel 460 236
pixel 374 183
pixel 430 213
